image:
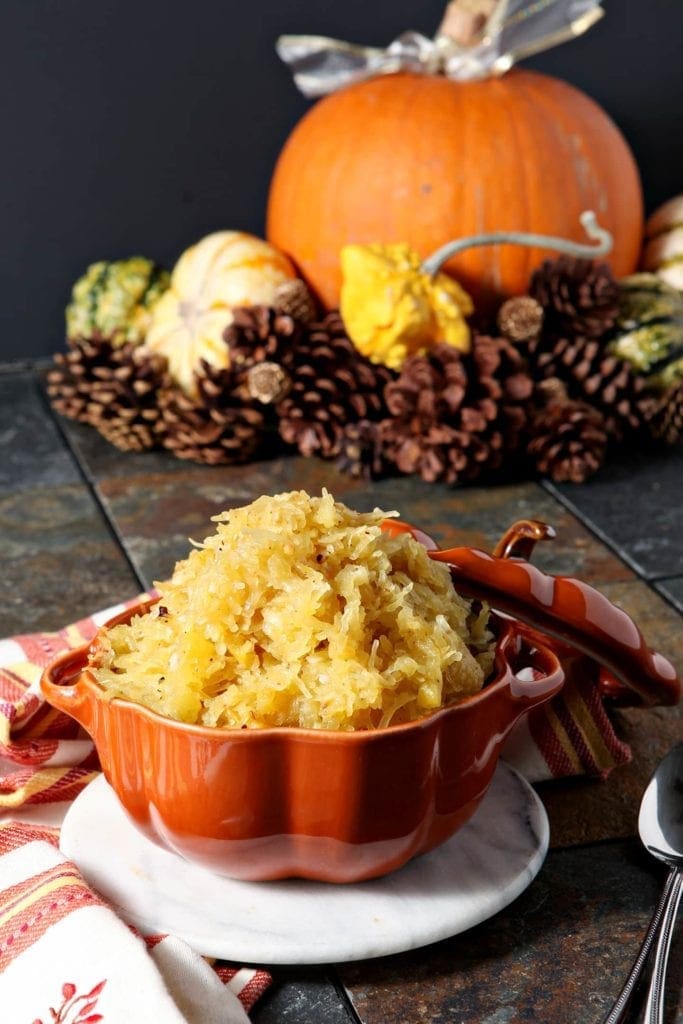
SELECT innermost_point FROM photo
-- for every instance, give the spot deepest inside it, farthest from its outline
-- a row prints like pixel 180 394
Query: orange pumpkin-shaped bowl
pixel 272 803
pixel 335 806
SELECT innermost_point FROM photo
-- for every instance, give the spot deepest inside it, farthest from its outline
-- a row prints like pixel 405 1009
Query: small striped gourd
pixel 663 252
pixel 649 329
pixel 113 300
pixel 224 270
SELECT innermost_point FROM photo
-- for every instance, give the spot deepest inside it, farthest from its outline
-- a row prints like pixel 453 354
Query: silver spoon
pixel 660 824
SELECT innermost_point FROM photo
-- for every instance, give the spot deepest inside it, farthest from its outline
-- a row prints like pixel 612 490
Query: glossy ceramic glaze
pixel 347 806
pixel 272 803
pixel 464 881
pixel 578 621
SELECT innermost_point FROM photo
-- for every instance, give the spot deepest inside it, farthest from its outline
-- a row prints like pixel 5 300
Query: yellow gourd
pixel 392 309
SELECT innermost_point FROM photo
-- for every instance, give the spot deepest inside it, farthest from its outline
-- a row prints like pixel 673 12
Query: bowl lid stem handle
pixel 520 539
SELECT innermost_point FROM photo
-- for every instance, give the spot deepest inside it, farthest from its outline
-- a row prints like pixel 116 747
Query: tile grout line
pixel 344 995
pixel 114 531
pixel 609 543
pixel 593 528
pixel 24 366
pixel 670 600
pixel 90 483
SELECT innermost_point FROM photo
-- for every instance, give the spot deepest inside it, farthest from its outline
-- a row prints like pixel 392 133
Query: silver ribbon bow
pixel 516 29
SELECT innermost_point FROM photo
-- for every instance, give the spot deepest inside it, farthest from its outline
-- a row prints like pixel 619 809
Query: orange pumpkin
pixel 423 160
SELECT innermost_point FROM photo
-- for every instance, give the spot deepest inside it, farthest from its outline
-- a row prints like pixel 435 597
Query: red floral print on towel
pixel 75 1009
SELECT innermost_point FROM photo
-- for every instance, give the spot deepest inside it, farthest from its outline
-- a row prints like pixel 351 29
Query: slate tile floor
pixel 83 526
pixel 636 505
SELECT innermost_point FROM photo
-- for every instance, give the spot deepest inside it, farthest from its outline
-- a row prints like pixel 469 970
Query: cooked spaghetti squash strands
pixel 298 611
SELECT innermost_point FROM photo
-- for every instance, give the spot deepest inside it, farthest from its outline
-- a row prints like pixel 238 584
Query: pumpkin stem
pixel 601 243
pixel 465 21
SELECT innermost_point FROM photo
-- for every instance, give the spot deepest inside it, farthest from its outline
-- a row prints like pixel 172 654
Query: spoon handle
pixel 619 1011
pixel 654 1007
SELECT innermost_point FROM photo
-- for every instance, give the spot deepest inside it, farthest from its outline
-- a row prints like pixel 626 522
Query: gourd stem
pixel 601 243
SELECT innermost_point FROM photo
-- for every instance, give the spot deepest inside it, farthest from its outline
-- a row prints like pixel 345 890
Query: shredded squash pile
pixel 299 612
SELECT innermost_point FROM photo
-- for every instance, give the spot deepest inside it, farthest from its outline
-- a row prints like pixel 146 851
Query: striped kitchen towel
pixel 66 958
pixel 64 955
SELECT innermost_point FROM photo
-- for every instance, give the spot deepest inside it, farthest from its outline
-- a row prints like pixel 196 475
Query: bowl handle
pixel 61 685
pixel 571 612
pixel 540 674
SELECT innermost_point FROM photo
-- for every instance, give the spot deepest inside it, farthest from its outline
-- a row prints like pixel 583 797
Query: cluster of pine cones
pixel 539 393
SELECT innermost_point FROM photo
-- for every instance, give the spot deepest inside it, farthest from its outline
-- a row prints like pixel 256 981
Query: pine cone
pixel 114 389
pixel 456 416
pixel 268 382
pixel 69 381
pixel 579 297
pixel 666 423
pixel 258 334
pixel 568 438
pixel 294 299
pixel 591 374
pixel 520 318
pixel 222 425
pixel 333 385
pixel 361 454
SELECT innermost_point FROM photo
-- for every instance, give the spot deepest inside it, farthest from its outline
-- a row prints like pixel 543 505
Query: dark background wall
pixel 137 126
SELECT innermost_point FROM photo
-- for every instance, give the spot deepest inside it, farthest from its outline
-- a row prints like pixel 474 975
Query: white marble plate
pixel 463 882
